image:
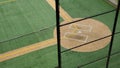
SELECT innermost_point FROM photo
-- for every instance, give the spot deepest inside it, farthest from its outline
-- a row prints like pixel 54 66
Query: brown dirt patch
pixel 70 39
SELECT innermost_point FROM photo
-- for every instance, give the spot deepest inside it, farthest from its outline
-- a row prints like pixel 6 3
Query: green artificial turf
pixel 81 8
pixel 114 63
pixel 22 17
pixel 3 0
pixel 47 58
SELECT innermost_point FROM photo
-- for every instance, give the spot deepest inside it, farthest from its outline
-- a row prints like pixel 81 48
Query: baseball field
pixel 27 34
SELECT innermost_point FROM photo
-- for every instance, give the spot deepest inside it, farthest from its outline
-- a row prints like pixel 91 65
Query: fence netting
pixel 77 50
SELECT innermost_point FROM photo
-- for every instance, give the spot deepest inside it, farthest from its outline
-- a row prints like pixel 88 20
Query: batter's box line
pixel 85 40
pixel 89 27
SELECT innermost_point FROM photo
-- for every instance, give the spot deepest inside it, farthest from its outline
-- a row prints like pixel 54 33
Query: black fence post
pixel 113 34
pixel 58 33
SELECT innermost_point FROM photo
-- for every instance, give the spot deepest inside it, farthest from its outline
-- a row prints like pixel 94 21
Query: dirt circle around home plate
pixel 83 32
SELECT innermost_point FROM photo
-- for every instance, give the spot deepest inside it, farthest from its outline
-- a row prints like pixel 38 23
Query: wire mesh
pixel 67 53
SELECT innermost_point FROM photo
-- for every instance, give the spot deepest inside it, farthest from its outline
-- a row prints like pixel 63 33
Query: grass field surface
pixel 26 16
pixel 23 17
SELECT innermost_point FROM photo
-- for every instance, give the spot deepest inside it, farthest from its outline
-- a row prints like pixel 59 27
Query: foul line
pixel 7 1
pixel 26 49
pixel 63 13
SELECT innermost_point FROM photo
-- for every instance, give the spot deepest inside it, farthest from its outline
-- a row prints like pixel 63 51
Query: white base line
pixel 86 37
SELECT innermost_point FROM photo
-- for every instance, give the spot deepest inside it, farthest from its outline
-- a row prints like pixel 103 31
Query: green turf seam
pixel 27 34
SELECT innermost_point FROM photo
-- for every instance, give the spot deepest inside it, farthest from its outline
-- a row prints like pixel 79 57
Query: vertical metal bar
pixel 113 34
pixel 58 33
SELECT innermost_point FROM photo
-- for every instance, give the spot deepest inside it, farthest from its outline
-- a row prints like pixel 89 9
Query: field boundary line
pixel 27 49
pixel 63 13
pixel 7 1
